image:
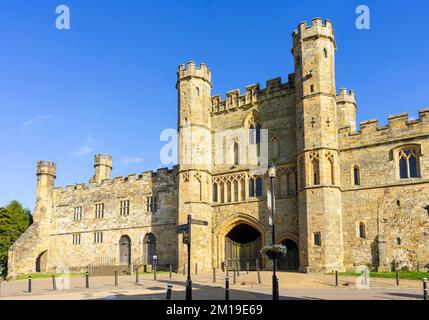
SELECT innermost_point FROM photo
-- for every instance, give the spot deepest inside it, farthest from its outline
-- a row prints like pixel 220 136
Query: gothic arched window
pixel 236 153
pixel 408 164
pixel 215 196
pixel 258 187
pixel 251 187
pixel 316 171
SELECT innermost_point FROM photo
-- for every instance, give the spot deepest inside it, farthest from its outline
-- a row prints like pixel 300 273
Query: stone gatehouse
pixel 345 196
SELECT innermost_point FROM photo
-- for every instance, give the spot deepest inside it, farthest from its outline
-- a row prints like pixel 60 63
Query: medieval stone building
pixel 344 197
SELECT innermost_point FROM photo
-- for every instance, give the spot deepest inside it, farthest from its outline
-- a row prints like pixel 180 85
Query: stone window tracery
pixel 408 163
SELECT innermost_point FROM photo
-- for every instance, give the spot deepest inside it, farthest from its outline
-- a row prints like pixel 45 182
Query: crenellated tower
pixel 347 108
pixel 102 167
pixel 319 197
pixel 195 159
pixel 46 174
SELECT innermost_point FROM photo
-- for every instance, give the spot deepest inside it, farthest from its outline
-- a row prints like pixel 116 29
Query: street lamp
pixel 272 176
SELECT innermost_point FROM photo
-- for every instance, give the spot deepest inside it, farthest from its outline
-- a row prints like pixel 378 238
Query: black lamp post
pixel 272 175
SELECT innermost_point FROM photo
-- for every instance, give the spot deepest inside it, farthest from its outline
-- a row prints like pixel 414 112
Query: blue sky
pixel 108 84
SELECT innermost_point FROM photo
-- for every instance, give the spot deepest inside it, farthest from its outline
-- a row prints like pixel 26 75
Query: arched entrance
pixel 125 250
pixel 291 260
pixel 149 248
pixel 242 246
pixel 41 262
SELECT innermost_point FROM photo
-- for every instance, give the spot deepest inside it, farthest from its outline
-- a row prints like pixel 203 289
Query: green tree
pixel 14 220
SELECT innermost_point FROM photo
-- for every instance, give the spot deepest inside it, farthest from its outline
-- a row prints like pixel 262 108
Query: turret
pixel 102 168
pixel 319 195
pixel 346 108
pixel 195 156
pixel 46 174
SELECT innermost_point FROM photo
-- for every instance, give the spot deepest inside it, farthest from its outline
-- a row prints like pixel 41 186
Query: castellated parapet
pixel 254 94
pixel 399 127
pixel 315 30
pixel 46 168
pixel 192 71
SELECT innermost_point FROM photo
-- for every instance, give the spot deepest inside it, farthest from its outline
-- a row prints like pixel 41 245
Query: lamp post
pixel 272 176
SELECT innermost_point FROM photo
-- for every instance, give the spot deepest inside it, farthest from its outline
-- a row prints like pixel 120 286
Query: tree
pixel 14 220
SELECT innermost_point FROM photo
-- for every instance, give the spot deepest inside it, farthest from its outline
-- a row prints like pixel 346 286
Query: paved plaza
pixel 293 286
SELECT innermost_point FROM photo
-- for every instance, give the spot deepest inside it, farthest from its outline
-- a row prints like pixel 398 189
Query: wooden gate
pixel 237 254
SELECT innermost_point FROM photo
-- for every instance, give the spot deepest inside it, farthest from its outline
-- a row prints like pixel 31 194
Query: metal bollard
pixel 238 272
pixel 337 282
pixel 425 289
pixel 116 278
pixel 196 268
pixel 137 276
pixel 154 273
pixel 247 267
pixel 214 275
pixel 227 287
pixel 235 276
pixel 87 280
pixel 169 289
pixel 397 278
pixel 54 283
pixel 258 271
pixel 171 270
pixel 29 284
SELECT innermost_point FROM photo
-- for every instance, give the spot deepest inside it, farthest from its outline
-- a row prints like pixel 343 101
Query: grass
pixel 46 275
pixel 408 275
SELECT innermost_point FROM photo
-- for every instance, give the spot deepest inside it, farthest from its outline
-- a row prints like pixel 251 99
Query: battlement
pixel 234 98
pixel 105 160
pixel 399 126
pixel 316 29
pixel 346 96
pixel 192 71
pixel 46 168
pixel 159 175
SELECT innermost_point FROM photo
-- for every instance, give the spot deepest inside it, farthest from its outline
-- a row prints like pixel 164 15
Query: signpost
pixel 185 230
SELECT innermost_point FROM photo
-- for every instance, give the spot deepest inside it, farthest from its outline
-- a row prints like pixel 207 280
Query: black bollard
pixel 116 278
pixel 171 270
pixel 214 275
pixel 235 276
pixel 247 267
pixel 29 284
pixel 258 271
pixel 425 289
pixel 87 280
pixel 238 271
pixel 337 283
pixel 54 283
pixel 169 289
pixel 196 268
pixel 397 278
pixel 137 276
pixel 154 273
pixel 227 287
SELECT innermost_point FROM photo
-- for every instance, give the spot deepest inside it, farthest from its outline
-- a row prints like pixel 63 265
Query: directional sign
pixel 199 222
pixel 182 228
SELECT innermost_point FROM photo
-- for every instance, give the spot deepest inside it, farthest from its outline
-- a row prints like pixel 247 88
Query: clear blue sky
pixel 108 84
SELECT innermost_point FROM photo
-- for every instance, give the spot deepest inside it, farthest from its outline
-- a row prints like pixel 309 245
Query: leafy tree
pixel 14 220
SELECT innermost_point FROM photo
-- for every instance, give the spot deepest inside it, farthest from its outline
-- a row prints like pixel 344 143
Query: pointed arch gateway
pixel 291 261
pixel 238 241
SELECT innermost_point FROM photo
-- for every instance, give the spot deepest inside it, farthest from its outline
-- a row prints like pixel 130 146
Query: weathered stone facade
pixel 344 198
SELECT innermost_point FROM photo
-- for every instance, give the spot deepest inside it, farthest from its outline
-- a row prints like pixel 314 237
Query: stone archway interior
pixel 291 260
pixel 41 262
pixel 242 247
